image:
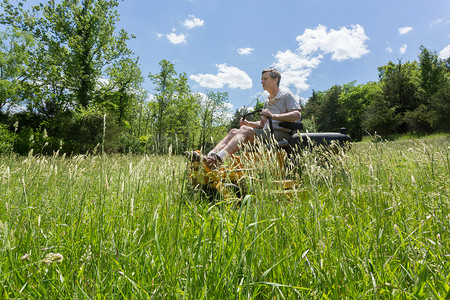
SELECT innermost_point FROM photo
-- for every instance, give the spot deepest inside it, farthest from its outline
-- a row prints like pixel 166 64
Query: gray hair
pixel 274 73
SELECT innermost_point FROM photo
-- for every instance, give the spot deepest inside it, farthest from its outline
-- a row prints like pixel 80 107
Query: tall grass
pixel 372 222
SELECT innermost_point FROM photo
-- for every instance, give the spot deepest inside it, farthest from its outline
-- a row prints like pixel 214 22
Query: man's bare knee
pixel 233 131
pixel 248 133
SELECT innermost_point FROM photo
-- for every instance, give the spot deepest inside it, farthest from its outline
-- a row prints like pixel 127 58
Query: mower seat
pixel 304 140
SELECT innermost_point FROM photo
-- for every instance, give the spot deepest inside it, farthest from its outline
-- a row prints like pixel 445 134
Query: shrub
pixel 6 139
pixel 89 129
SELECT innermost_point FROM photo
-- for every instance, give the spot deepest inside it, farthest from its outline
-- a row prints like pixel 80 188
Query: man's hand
pixel 266 113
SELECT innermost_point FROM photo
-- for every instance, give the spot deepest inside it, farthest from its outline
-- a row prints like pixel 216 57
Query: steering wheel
pixel 256 112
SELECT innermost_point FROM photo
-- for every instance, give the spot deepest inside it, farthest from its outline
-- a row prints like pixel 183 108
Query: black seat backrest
pixel 292 125
pixel 303 140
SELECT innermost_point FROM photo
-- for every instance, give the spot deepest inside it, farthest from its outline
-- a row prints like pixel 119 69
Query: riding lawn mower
pixel 239 173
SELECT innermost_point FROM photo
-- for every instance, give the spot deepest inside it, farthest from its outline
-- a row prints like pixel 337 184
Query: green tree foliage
pixel 6 140
pixel 309 111
pixel 435 90
pixel 330 116
pixel 310 108
pixel 78 42
pixel 400 90
pixel 15 48
pixel 82 88
pixel 122 88
pixel 166 94
pixel 354 102
pixel 323 111
pixel 237 116
pixel 178 118
pixel 380 117
pixel 80 63
pixel 213 118
pixel 241 111
pixel 440 106
pixel 409 97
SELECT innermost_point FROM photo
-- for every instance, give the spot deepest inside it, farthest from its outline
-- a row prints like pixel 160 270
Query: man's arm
pixel 292 116
pixel 257 124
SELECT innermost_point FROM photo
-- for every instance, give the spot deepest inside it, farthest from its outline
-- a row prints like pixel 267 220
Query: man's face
pixel 268 82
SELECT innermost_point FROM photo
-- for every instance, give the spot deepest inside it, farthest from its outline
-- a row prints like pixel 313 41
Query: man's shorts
pixel 264 135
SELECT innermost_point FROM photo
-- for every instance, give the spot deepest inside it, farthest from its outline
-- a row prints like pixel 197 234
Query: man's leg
pixel 224 142
pixel 244 135
pixel 219 148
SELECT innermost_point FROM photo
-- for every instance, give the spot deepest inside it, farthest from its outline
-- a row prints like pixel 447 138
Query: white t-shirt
pixel 285 101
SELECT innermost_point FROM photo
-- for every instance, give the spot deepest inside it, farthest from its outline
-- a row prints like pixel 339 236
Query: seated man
pixel 280 106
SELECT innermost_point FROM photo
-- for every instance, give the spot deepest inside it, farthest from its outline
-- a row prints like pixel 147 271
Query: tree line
pixel 409 97
pixel 69 83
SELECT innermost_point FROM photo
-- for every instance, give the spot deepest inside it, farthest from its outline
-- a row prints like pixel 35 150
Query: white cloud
pixel 342 44
pixel 245 51
pixel 296 78
pixel 296 68
pixel 436 22
pixel 193 22
pixel 159 36
pixel 176 38
pixel 404 30
pixel 440 21
pixel 445 53
pixel 290 60
pixel 227 75
pixel 389 50
pixel 403 49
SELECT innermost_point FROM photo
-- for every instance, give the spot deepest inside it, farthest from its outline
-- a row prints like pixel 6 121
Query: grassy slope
pixel 373 222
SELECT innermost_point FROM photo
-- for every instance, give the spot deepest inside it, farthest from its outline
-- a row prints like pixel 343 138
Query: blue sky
pixel 224 45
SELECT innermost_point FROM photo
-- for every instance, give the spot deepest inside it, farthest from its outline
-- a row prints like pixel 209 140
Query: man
pixel 280 106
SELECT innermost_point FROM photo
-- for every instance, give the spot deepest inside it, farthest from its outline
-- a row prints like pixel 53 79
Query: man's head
pixel 274 74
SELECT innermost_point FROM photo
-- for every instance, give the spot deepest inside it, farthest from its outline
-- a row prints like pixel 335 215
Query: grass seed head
pixel 24 257
pixel 53 258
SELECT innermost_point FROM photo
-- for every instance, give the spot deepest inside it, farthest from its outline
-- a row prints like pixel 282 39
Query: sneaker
pixel 193 155
pixel 213 161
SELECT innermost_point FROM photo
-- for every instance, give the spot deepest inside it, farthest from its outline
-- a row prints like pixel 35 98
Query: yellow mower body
pixel 238 174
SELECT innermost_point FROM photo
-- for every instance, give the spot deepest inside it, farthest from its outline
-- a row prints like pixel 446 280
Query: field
pixel 373 222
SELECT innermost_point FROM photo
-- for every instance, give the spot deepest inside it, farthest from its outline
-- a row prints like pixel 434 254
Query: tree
pixel 432 72
pixel 329 113
pixel 354 101
pixel 188 121
pixel 380 117
pixel 309 110
pixel 14 52
pixel 175 110
pixel 81 63
pixel 440 106
pixel 435 94
pixel 399 85
pixel 166 88
pixel 213 117
pixel 78 42
pixel 122 87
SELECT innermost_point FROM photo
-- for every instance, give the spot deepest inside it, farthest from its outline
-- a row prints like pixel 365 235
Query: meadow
pixel 370 222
